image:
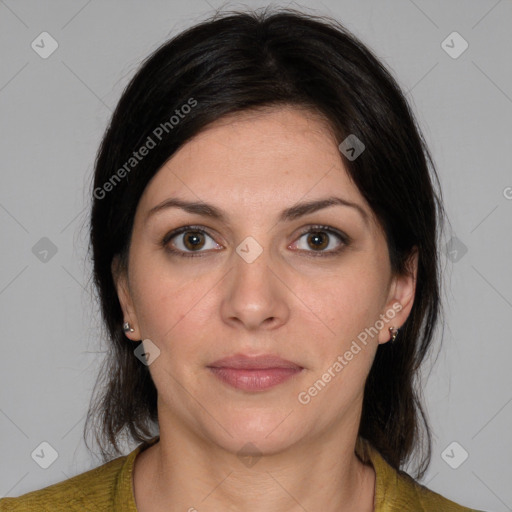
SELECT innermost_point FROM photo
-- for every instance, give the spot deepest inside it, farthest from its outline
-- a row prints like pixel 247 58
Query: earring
pixel 127 328
pixel 394 333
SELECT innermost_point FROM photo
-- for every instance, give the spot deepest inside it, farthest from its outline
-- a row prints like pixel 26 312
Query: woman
pixel 264 237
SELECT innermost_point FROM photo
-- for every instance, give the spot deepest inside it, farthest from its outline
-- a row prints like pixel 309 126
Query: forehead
pixel 266 159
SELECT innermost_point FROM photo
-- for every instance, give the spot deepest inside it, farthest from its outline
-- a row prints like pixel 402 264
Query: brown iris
pixel 315 237
pixel 195 238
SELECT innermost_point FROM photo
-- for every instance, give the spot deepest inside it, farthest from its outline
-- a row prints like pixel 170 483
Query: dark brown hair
pixel 238 61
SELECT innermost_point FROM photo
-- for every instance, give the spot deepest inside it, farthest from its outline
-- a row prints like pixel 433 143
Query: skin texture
pixel 287 302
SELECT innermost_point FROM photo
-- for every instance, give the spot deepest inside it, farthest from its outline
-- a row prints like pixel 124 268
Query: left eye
pixel 320 239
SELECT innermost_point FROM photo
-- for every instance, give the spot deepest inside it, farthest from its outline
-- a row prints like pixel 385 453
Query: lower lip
pixel 254 380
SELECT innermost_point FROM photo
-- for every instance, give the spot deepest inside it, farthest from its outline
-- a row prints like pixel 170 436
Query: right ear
pixel 120 278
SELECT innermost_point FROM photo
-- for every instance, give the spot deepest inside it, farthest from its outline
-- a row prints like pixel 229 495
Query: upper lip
pixel 242 361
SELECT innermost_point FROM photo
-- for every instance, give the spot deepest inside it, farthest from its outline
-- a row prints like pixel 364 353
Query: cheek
pixel 349 302
pixel 174 309
pixel 161 300
pixel 343 354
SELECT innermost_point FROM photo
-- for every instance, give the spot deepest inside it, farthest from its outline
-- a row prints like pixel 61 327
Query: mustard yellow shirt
pixel 110 488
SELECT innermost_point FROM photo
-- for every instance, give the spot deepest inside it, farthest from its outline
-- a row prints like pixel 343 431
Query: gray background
pixel 53 114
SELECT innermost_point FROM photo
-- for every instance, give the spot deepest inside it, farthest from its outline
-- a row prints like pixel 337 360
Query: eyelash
pixel 345 239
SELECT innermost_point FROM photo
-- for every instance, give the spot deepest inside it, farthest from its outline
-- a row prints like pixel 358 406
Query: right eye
pixel 190 240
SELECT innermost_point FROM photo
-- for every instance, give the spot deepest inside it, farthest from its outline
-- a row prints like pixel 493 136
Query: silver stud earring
pixel 127 328
pixel 394 333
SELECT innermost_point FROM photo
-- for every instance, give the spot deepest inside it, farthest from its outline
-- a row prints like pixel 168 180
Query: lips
pixel 243 362
pixel 256 373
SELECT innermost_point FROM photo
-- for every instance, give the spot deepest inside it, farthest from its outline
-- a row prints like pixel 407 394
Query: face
pixel 313 287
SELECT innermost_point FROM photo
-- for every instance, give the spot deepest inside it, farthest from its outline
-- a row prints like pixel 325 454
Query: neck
pixel 183 472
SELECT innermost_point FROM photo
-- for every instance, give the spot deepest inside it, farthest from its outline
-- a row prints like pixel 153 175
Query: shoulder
pixel 410 492
pixel 92 490
pixel 397 491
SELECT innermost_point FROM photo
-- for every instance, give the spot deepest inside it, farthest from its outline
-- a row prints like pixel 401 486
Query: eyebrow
pixel 289 214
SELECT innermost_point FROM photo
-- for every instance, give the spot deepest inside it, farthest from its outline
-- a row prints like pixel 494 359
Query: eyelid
pixel 320 227
pixel 189 227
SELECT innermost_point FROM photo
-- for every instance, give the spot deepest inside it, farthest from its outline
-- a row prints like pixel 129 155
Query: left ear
pixel 401 297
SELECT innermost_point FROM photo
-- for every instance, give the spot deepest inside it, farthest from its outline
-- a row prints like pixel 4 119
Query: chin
pixel 264 433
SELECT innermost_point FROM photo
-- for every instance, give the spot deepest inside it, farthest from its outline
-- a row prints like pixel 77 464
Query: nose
pixel 254 294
